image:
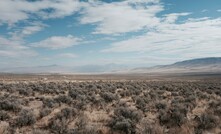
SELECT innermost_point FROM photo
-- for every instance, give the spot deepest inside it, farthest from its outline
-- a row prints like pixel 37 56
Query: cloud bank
pixel 144 28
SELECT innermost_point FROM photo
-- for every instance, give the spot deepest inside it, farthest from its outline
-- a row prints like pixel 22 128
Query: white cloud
pixel 28 30
pixel 13 44
pixel 172 18
pixel 31 28
pixel 57 42
pixel 121 17
pixel 17 54
pixel 195 37
pixel 110 18
pixel 12 11
pixel 67 55
pixel 219 10
pixel 62 8
pixel 14 48
pixel 204 10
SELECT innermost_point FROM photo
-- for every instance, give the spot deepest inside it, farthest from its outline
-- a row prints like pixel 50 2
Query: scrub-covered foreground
pixel 110 107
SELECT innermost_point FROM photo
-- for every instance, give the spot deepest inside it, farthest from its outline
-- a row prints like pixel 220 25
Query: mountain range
pixel 85 69
pixel 203 65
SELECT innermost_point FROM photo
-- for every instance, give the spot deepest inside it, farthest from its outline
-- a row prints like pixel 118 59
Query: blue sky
pixel 124 32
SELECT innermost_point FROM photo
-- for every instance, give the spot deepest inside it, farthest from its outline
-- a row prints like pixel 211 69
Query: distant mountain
pixel 107 68
pixel 198 62
pixel 207 65
pixel 37 69
pixel 203 65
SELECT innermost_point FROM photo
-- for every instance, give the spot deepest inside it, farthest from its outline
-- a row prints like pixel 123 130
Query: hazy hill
pixel 198 62
pixel 195 65
pixel 64 69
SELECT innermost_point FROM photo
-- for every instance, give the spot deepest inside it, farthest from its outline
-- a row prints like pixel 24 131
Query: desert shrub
pixel 25 118
pixel 172 117
pixel 63 99
pixel 153 95
pixel 137 91
pixel 177 118
pixel 203 96
pixel 125 93
pixel 164 117
pixel 86 130
pixel 9 88
pixel 40 131
pixel 10 106
pixel 25 92
pixel 209 91
pixel 161 105
pixel 217 111
pixel 78 94
pixel 190 99
pixel 149 128
pixel 4 116
pixel 125 120
pixel 37 88
pixel 198 131
pixel 134 115
pixel 59 123
pixel 141 104
pixel 214 104
pixel 66 113
pixel 218 92
pixel 207 121
pixel 122 104
pixel 58 126
pixel 80 105
pixel 48 102
pixel 82 126
pixel 108 97
pixel 73 94
pixel 123 125
pixel 90 86
pixel 82 121
pixel 174 94
pixel 44 112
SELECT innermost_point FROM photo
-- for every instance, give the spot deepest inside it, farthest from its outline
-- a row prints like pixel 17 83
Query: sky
pixel 100 32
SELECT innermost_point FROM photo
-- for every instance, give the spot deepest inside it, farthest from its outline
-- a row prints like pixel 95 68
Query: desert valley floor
pixel 110 104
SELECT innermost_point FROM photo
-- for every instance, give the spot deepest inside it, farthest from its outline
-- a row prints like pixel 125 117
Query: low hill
pixel 206 65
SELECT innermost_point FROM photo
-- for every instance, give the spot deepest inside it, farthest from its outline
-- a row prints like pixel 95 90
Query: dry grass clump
pixel 111 107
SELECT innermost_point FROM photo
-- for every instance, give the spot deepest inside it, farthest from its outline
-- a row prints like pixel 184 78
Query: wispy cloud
pixel 14 48
pixel 172 18
pixel 27 30
pixel 13 11
pixel 68 55
pixel 204 10
pixel 121 17
pixel 57 42
pixel 195 36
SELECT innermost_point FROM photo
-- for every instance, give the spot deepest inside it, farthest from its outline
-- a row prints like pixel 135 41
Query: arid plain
pixel 110 104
